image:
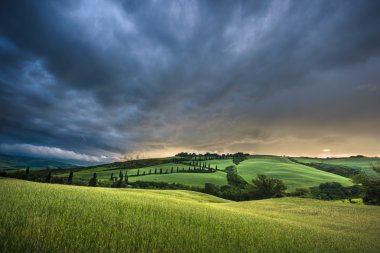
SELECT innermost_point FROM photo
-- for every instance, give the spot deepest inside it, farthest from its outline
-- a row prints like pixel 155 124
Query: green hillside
pixel 40 217
pixel 190 179
pixel 20 162
pixel 293 174
pixel 361 163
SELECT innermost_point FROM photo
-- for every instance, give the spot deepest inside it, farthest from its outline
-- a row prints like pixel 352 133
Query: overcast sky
pixel 101 80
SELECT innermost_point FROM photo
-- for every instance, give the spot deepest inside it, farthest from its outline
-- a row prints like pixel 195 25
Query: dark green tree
pixel 160 170
pixel 121 176
pixel 265 187
pixel 138 172
pixel 211 189
pixel 93 181
pixel 126 178
pixel 70 178
pixel 27 171
pixel 111 178
pixel 48 177
pixel 370 185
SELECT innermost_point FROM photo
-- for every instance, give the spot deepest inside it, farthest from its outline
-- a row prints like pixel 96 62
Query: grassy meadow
pixel 39 217
pixel 294 175
pixel 190 179
pixel 362 163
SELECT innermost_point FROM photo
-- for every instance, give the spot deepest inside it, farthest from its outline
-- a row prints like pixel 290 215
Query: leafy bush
pixel 371 186
pixel 334 190
pixel 265 187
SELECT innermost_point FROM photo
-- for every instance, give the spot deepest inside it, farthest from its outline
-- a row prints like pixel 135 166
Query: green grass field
pixel 190 179
pixel 294 175
pixel 40 217
pixel 362 163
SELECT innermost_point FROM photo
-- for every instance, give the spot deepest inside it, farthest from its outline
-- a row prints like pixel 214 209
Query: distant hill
pixel 19 162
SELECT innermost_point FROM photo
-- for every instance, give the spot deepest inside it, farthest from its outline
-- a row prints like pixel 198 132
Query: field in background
pixel 12 162
pixel 39 217
pixel 294 175
pixel 361 163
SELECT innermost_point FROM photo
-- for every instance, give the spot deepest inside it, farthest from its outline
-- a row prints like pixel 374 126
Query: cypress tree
pixel 160 170
pixel 111 176
pixel 121 176
pixel 138 172
pixel 155 171
pixel 177 169
pixel 70 178
pixel 48 177
pixel 126 178
pixel 93 181
pixel 171 171
pixel 150 172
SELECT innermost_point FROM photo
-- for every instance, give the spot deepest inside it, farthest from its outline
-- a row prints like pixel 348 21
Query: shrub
pixel 265 187
pixel 371 186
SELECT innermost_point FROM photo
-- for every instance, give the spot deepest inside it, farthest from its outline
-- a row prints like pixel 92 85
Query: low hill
pixel 191 179
pixel 39 217
pixel 360 163
pixel 293 174
pixel 11 162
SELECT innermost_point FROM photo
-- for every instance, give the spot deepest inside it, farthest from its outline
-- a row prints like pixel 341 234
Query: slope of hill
pixel 361 163
pixel 293 174
pixel 21 162
pixel 40 217
pixel 104 174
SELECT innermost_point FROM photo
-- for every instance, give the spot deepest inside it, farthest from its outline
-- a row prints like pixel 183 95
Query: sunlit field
pixel 361 163
pixel 294 175
pixel 39 217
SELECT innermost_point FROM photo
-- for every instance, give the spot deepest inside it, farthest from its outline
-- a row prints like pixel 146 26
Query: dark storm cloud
pixel 122 77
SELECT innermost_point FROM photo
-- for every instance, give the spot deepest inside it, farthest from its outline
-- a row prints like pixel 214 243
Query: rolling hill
pixel 11 162
pixel 361 163
pixel 293 174
pixel 39 217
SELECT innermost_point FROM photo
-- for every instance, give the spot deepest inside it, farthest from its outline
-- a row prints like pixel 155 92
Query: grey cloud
pixel 118 77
